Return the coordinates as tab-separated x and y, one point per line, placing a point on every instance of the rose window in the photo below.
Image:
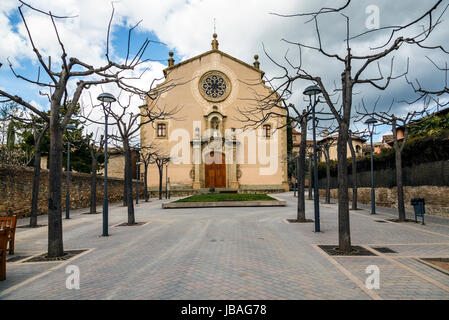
214	86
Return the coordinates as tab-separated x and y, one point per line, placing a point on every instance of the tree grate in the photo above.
68	254
27	226
125	224
384	249
16	258
333	250
296	221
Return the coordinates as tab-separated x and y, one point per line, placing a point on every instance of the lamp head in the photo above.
312	90
371	122
106	97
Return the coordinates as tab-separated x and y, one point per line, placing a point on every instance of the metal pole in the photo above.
373	195
316	196
169	189
105	183
67	196
137	183
294	180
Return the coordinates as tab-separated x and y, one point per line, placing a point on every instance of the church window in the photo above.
267	130
161	130
214	86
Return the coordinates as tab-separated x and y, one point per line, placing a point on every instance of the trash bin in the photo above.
419	207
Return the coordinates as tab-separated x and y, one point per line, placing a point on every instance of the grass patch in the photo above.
220	197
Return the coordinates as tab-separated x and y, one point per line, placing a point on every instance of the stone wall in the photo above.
436	198
16	185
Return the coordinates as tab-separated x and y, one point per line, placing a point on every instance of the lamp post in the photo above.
295	177
371	123
70	127
313	91
105	97
137	181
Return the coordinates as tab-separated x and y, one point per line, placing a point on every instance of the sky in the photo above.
244	28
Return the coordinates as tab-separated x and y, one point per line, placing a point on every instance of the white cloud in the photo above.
242	27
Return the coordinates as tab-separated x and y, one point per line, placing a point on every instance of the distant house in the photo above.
116	163
400	129
357	142
378	146
296	138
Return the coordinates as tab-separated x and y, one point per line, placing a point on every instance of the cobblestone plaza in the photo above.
238	253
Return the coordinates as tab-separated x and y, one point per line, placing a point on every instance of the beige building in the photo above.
207	140
116	163
296	139
331	141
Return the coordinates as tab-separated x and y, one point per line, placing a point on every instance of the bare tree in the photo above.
325	145
396	122
38	129
351	137
72	73
128	125
352	74
147	157
425	93
95	153
161	159
301	169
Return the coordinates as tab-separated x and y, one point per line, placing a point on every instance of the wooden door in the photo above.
215	171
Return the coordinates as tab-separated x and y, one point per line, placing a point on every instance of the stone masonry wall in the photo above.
436	198
16	185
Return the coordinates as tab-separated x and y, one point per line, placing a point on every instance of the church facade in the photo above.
208	140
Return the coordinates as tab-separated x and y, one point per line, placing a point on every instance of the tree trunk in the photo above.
399	184
301	171
35	194
125	193
344	237
93	187
129	185
344	232
145	182
354	175
161	172
55	241
310	178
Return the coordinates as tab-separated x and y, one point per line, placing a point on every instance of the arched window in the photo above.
215	123
267	130
161	130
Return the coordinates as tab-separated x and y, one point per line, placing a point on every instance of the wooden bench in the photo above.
4	234
9	222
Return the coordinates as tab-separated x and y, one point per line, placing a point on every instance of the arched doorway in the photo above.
215	170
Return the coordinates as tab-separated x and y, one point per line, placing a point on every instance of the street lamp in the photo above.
137	181
313	91
70	127
371	122
105	97
295	177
